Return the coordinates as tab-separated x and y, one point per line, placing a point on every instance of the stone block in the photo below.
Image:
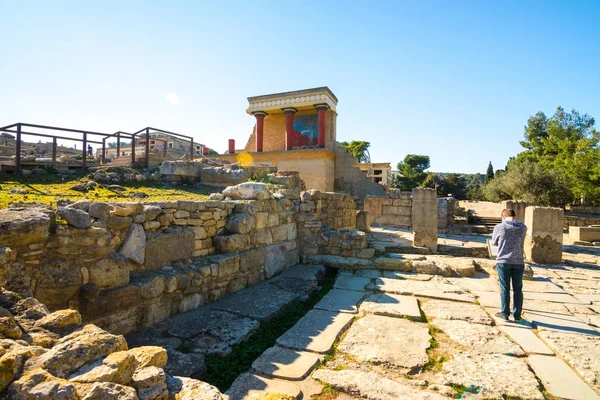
363	221
424	218
134	246
227	264
544	239
232	243
518	205
280	233
181	168
191	302
292	232
164	248
584	233
275	259
110	273
156	310
239	223
292	258
252	260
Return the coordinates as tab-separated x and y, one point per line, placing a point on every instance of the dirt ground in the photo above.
482	208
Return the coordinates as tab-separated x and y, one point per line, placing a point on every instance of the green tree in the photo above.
489	175
358	149
113	145
568	144
412	171
454	184
531	182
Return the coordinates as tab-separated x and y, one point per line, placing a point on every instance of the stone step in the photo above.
277	362
247	386
434	289
527	340
351	283
338	300
559	380
316	331
391	305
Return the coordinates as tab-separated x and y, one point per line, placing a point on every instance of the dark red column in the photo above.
289	127
205	150
322	122
260	127
231	146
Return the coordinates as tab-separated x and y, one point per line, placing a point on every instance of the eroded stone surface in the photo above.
341	301
371	386
277	362
316	331
391	305
482	338
449	310
494	374
559	380
581	351
351	283
435	289
393	342
248	386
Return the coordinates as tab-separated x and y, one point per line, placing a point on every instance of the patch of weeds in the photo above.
222	371
434	363
423	316
60	221
462	389
328	393
477	302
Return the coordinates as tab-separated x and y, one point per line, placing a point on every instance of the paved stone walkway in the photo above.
410	335
389	342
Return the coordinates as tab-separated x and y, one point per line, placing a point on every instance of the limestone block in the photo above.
150	356
584	233
150	285
363	221
165	247
275	259
280	233
424	218
151	226
61	319
156	310
292	232
231	243
248	191
134	246
239	223
181	168
39	384
518	205
99	210
227	264
190	303
544	239
109	390
252	260
77	218
115	222
82	347
110	273
117	367
261	237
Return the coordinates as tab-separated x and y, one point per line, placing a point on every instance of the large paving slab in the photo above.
527	340
369	273
492	299
414	276
305	272
541	286
559	322
316	331
351	283
394	342
482	338
303	288
249	386
498	376
559	380
435	289
581	351
553	297
338	300
261	301
442	309
588	298
391	305
277	362
476	283
369	385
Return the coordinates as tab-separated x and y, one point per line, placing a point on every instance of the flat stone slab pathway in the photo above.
351	283
277	362
317	331
338	300
436	289
248	386
391	305
394	342
527	340
559	380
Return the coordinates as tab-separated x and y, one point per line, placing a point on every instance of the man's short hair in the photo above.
509	212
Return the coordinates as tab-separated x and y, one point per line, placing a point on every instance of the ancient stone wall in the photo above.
579	220
394	209
52	356
126	266
585	210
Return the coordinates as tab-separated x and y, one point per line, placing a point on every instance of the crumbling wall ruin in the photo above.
393	209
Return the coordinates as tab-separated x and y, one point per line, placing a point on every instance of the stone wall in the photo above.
518	206
394	209
579	220
126	266
585	210
350	179
52	356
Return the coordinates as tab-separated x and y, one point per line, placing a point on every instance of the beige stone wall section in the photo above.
316	173
424	218
518	205
543	243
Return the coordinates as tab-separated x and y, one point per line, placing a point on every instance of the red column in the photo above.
231	146
322	122
289	127
205	150
260	124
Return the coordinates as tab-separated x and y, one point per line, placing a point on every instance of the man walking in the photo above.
509	236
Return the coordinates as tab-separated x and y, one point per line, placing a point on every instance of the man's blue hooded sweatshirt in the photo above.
509	237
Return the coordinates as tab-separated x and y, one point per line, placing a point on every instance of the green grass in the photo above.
222	371
49	189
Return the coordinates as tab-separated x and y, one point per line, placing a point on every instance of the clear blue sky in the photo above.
455	80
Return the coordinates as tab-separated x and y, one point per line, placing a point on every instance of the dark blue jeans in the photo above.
506	273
